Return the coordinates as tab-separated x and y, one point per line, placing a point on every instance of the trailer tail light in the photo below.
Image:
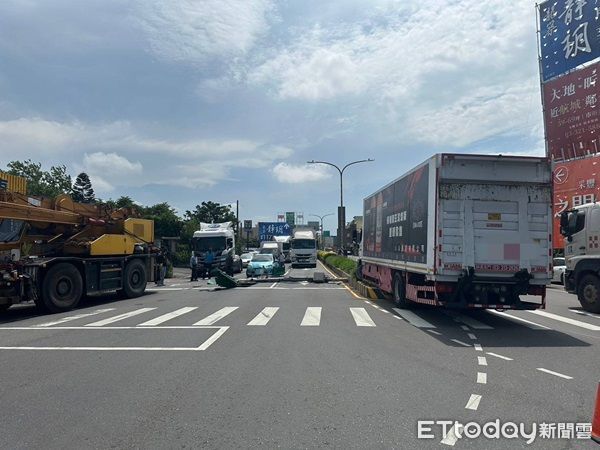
444	288
536	290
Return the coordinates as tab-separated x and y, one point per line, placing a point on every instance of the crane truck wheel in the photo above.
134	279
62	288
400	291
589	293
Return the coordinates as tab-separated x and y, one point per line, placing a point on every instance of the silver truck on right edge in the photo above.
581	229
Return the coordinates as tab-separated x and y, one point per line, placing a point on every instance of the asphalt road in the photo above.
288	365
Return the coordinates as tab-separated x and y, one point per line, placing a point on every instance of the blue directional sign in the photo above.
569	35
266	230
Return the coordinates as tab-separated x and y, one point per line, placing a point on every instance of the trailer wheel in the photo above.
589	293
400	291
134	279
62	288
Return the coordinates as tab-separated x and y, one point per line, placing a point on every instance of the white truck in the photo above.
581	228
462	231
271	248
303	251
220	238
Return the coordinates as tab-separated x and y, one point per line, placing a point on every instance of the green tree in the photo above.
166	220
210	212
82	189
42	183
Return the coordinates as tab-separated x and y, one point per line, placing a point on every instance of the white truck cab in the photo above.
218	237
581	228
304	249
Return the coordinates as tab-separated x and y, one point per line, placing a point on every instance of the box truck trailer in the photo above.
463	231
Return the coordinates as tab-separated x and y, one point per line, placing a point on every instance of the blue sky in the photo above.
186	101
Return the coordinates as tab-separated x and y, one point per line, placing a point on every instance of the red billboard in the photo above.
576	182
571	115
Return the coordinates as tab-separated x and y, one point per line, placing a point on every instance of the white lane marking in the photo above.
384	311
165	289
584	313
461	342
506	358
528	324
482	361
473	402
312	317
473	323
160	319
478	347
481	378
361	317
264	316
472	336
273	285
75	317
203	346
215	317
566	377
451	438
413	319
465	328
432	331
123	316
577	323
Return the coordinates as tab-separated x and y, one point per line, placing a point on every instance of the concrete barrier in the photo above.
359	287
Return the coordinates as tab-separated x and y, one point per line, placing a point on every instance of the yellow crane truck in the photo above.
55	251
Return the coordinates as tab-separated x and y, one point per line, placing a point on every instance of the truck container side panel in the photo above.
381	275
497	229
396	219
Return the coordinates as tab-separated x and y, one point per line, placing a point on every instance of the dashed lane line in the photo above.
476	324
584	313
472	336
451	438
506	358
482	361
551	372
473	402
481	378
431	331
464	344
478	347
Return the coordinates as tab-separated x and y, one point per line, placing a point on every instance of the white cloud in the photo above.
293	174
117	154
439	72
192	31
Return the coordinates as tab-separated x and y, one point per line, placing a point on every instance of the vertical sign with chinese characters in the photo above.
572	114
576	183
569	35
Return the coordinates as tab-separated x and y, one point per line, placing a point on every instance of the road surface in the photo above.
288	365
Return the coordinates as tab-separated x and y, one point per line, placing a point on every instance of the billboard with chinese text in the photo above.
290	218
576	182
266	230
572	114
569	35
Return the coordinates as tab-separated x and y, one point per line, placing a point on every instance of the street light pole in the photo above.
321	218
341	210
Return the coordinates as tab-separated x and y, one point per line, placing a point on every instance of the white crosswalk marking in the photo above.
75	317
160	319
577	323
215	317
264	316
476	324
312	317
361	317
413	319
113	319
528	324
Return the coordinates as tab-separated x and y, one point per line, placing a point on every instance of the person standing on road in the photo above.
282	260
209	258
194	267
161	266
229	263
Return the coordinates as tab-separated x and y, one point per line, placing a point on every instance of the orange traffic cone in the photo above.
596	419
